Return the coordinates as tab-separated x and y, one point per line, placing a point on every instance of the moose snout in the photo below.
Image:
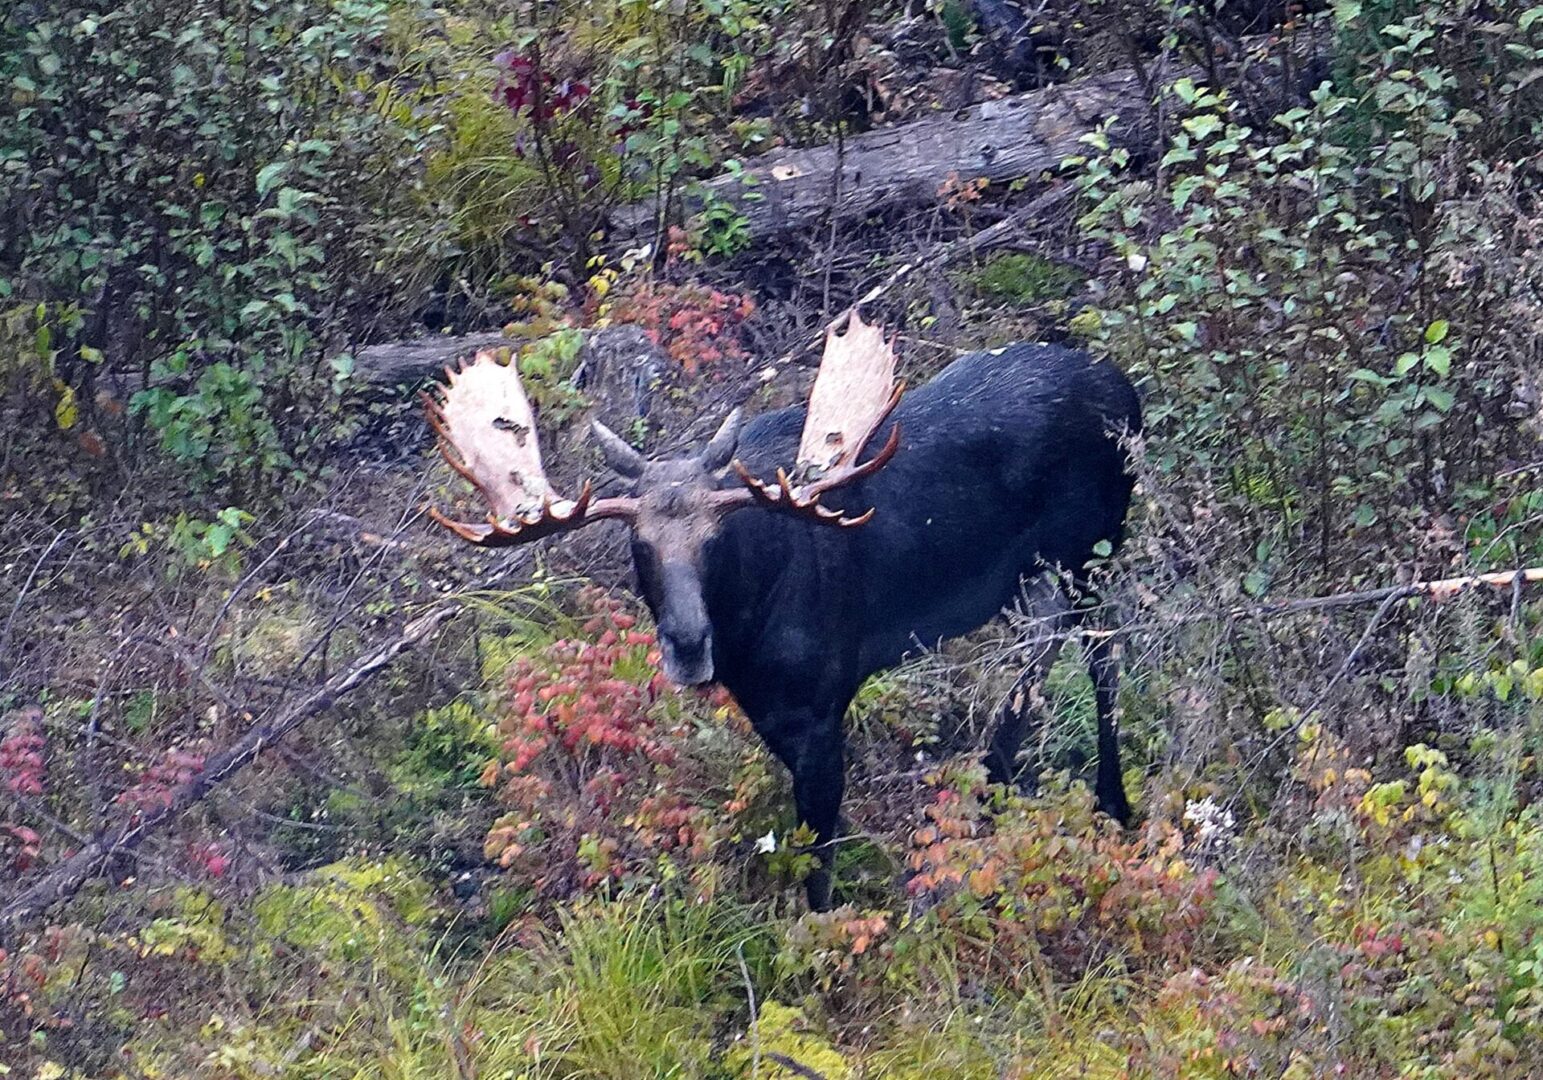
691	642
687	653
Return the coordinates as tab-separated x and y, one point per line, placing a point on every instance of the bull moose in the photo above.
790	592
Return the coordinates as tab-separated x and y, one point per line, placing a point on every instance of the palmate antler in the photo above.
487	432
854	390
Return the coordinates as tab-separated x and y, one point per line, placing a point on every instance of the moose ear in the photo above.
622	458
720	450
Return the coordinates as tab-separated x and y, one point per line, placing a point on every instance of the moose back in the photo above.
1005	466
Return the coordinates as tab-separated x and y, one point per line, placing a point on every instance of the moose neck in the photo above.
762	575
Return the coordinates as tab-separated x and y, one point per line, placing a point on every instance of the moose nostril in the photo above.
689	643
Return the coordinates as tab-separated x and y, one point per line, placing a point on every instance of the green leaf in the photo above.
218	539
1439	359
269	175
1256	581
1436	332
1203	126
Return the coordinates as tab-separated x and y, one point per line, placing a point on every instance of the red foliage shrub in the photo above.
1044	878
156	784
525	87
24	844
22	767
697	326
600	762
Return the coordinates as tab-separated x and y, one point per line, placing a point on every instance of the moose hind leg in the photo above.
1052	611
1109	786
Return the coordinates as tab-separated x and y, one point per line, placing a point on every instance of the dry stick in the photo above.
62	882
945	253
1323	698
798	1068
987	238
755	1019
5	634
1443	589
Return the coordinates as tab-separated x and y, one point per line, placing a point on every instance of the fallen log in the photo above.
1006	139
608	354
1000	140
415	359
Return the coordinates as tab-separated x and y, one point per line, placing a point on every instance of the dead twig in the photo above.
798	1068
755	1021
64	880
1440	590
26	586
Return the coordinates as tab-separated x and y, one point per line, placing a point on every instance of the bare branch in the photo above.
61	882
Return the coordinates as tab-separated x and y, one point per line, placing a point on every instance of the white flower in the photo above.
767	844
1211	822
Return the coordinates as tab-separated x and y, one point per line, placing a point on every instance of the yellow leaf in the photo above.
67	411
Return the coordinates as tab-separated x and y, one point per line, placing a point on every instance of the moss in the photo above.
1020	278
350	910
272	638
781	1033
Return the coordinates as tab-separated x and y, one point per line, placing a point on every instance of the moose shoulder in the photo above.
1007	464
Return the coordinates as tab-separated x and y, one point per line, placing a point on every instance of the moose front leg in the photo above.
808	741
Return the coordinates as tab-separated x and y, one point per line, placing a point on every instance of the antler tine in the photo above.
487	432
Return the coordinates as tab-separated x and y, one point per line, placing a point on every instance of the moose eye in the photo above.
645	560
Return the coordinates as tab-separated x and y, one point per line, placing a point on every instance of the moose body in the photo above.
1007	465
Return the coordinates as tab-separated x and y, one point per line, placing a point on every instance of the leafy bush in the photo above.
200	196
591	105
611	776
1307	300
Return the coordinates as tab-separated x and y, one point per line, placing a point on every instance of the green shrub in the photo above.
1305	301
203	194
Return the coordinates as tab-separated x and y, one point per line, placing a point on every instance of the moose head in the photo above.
675	505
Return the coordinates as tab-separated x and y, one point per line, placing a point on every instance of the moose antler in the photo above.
487	432
854	390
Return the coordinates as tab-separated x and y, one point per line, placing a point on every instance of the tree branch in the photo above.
64	880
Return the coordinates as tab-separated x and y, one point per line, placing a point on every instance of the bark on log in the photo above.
611	355
410	361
